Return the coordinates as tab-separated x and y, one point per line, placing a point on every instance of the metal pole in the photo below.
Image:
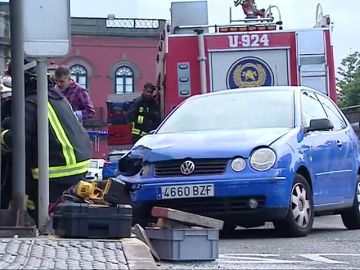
202	60
43	141
0	154
18	110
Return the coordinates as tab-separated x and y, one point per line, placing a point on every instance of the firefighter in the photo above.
144	112
69	143
250	9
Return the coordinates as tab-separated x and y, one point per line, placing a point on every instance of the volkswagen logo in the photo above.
187	167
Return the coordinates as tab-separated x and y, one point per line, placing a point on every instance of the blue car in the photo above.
248	156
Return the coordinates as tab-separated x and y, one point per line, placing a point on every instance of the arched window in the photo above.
124	80
79	74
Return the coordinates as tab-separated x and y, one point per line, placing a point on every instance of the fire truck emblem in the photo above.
249	72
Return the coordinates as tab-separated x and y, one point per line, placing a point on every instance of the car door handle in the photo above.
338	143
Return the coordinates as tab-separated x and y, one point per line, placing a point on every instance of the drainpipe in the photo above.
202	60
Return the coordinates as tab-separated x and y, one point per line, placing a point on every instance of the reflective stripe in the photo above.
140	119
139	132
67	148
2	134
30	204
63	171
141	109
136	131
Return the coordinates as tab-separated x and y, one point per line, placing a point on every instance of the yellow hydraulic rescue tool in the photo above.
108	191
94	191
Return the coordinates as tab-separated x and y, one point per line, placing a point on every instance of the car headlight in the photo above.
238	164
262	159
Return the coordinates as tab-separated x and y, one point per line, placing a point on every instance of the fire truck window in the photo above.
240	110
124	80
79	74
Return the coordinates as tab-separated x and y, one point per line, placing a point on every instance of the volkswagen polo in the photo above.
248	156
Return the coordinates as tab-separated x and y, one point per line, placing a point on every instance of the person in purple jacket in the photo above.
77	95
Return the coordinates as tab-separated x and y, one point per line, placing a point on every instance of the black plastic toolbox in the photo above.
82	220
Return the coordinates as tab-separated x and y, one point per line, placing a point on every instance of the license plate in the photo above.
185	191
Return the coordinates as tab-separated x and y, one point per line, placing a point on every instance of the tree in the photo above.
349	82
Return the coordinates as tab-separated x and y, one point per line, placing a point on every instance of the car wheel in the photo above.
300	217
351	216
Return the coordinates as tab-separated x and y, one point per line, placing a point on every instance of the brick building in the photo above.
113	58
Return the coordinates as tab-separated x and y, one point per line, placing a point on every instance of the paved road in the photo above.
329	246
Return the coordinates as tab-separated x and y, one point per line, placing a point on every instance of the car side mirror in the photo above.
319	125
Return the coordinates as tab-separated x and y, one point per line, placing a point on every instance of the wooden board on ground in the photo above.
185	217
141	234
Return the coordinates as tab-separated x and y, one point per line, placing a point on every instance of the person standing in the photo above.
144	113
77	95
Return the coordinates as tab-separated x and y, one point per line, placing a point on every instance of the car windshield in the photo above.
237	110
93	164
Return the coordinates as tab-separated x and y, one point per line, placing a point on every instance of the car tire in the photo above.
299	220
351	216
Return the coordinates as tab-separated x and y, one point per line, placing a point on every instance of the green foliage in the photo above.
348	84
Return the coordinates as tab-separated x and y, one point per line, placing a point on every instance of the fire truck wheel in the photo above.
300	217
351	216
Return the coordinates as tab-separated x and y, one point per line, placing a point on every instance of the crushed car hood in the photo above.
209	144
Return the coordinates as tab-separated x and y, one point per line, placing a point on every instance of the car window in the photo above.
332	113
115	157
101	164
93	164
233	110
311	108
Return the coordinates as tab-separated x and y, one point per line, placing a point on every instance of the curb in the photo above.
138	255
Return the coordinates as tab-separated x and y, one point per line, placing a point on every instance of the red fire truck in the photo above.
195	57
